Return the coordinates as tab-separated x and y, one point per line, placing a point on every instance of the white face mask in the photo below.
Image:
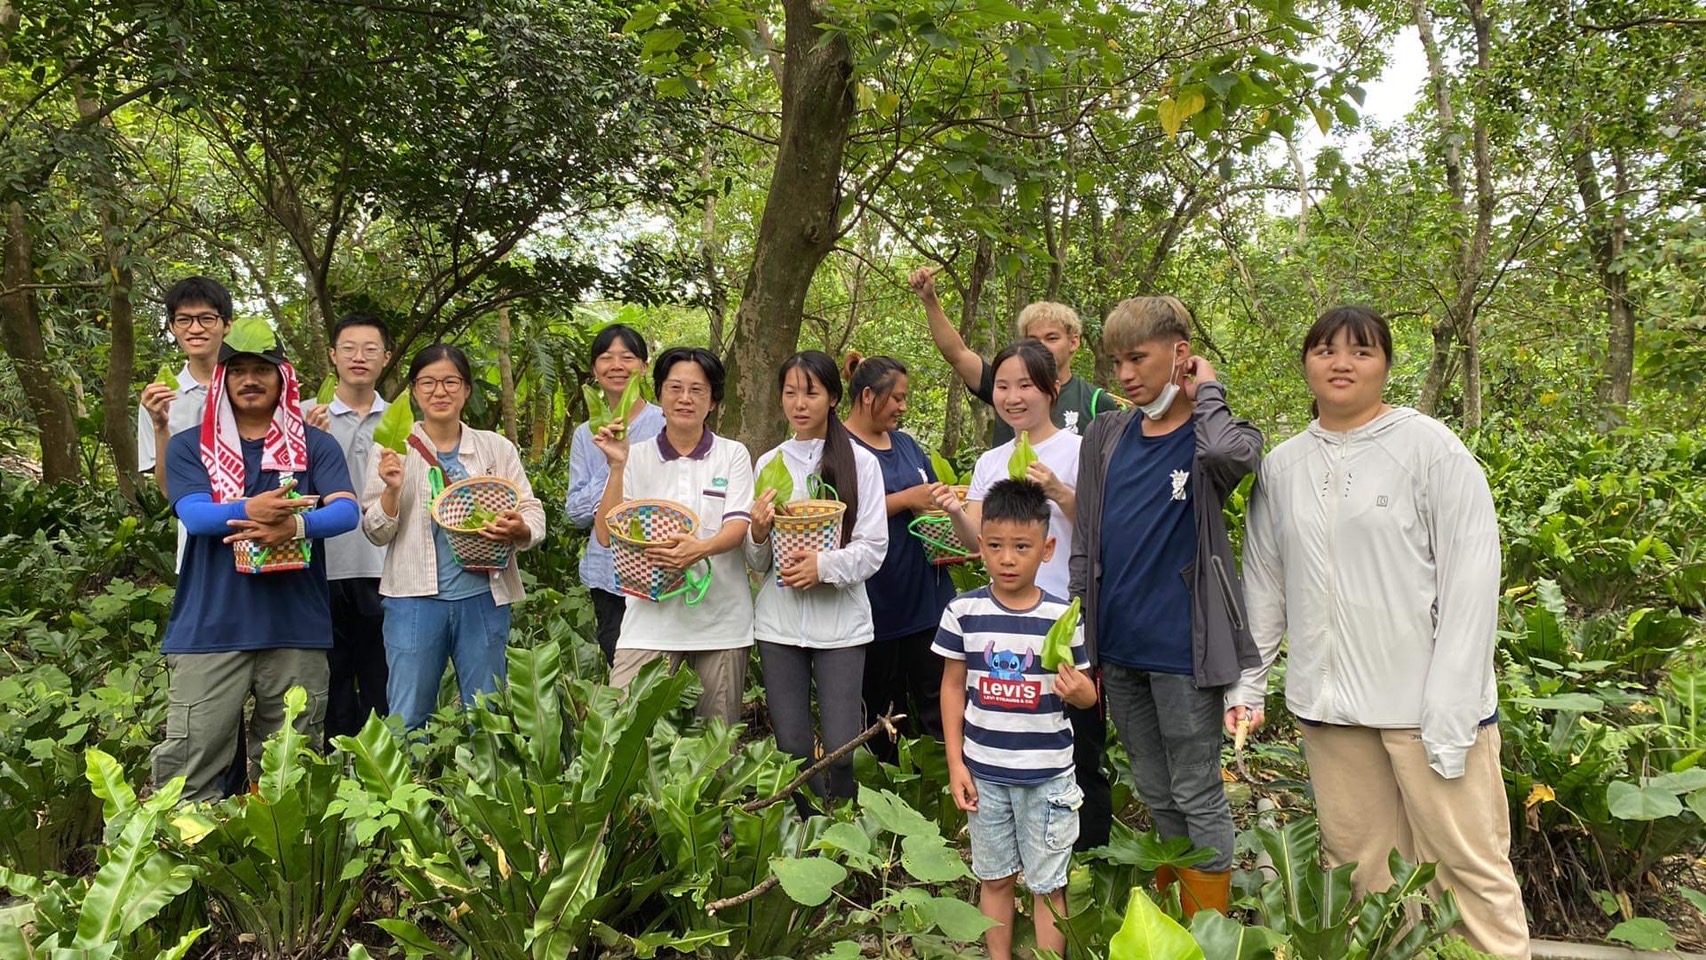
1157	408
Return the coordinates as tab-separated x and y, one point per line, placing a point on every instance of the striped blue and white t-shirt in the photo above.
1015	730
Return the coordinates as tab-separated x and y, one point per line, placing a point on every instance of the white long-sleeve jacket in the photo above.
1377	552
836	614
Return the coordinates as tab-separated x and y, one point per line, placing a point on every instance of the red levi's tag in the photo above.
1011	694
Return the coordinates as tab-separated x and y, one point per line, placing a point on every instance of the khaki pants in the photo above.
721	672
1375	792
205	693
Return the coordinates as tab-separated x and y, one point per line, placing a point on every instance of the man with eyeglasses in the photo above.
198	313
360	352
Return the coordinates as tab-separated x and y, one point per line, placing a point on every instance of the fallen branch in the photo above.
884	724
764	887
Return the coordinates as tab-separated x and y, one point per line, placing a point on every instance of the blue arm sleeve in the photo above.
339	516
204	518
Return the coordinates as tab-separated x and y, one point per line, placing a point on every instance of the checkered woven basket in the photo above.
636	574
935	529
452	508
810	525
251	557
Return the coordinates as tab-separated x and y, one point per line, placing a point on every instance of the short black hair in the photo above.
706	360
1366	326
363	320
1016	501
199	290
630	338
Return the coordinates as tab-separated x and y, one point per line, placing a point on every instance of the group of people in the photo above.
1370	542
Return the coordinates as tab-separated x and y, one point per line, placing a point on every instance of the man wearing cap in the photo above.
242	475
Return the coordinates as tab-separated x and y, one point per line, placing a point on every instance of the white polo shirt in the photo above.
351	556
183	414
715	482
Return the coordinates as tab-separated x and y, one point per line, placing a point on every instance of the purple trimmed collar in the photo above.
699	452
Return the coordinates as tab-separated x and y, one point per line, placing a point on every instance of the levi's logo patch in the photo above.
994	691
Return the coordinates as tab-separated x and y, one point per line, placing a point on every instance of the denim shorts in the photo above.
1031	828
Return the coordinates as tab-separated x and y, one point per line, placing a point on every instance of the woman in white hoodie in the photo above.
1373	545
814	626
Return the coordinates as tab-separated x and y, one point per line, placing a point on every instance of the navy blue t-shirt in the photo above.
907	593
1149	541
216	609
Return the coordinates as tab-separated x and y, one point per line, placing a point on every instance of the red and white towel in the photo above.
222	448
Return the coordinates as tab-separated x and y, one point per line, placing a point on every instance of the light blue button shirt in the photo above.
588	473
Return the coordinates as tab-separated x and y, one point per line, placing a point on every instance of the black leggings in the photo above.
789	674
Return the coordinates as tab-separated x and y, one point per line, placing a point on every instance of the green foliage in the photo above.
392	430
1022	457
166	376
775	476
1057	645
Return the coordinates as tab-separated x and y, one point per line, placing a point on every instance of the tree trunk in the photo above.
799	225
1620	310
506	378
20	334
540	417
116	422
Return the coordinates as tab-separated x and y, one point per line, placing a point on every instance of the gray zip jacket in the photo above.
1376	551
1228	449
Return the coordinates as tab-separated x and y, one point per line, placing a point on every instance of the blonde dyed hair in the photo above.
1047	311
1143	320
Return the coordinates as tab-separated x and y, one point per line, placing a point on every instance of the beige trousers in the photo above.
1375	792
721	672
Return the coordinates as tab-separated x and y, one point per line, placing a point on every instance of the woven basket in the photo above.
636	574
251	557
935	529
810	525
452	508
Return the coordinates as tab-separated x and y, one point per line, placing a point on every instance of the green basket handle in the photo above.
815	487
917	528
693	585
435	481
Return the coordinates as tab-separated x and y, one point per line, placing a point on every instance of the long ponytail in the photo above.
837	467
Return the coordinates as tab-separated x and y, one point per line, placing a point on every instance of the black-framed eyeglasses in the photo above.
206	321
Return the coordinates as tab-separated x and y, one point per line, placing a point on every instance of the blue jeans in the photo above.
1025	827
421	633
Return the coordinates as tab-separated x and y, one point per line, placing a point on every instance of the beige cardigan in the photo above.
411	563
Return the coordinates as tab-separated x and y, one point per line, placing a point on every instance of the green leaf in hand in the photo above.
598	413
1057	645
1023	456
328	390
775	476
944	470
166	376
636	530
392	433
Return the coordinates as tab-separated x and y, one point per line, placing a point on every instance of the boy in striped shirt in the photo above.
1009	743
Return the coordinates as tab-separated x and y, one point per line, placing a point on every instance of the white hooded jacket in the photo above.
837	613
1377	552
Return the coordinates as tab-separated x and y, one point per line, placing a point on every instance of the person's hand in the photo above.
920	498
1253	714
615	446
763	513
923	283
1043	477
961	785
391	468
319	416
157	400
509	526
946	500
799	570
1074	687
1198	371
683	551
265	534
268	508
